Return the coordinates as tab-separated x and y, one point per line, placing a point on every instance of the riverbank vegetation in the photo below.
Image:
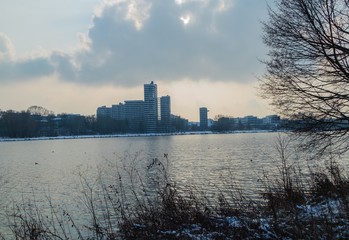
139	200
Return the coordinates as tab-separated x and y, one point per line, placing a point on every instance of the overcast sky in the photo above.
73	56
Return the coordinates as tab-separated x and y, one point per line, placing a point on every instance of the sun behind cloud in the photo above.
133	41
185	19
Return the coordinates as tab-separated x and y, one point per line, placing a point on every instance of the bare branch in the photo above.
307	75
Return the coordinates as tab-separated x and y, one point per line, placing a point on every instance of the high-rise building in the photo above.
118	111
203	118
134	115
103	112
150	107
165	113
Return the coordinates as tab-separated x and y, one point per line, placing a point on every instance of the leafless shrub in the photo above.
28	221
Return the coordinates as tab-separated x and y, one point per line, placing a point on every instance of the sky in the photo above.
74	56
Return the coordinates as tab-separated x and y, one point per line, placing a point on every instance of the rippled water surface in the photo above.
49	167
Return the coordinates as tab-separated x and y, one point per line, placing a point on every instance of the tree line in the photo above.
39	122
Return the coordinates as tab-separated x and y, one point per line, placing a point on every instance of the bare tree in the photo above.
307	75
38	110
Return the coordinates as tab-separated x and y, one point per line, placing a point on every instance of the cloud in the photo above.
25	69
131	42
20	69
7	50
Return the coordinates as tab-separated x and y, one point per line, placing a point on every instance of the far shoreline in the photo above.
133	135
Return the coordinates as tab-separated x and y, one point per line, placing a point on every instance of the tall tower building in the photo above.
165	113
203	118
150	107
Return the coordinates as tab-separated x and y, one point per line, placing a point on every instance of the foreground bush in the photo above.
294	205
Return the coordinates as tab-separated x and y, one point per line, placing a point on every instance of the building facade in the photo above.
150	115
118	111
203	118
150	107
103	112
134	112
165	113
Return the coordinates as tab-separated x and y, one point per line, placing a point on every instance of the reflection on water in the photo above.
202	160
205	161
198	159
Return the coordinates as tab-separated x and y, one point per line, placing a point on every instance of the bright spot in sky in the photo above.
185	19
179	2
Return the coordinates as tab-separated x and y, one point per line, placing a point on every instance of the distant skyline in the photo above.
74	56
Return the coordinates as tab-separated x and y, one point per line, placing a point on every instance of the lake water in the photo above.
193	159
50	167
